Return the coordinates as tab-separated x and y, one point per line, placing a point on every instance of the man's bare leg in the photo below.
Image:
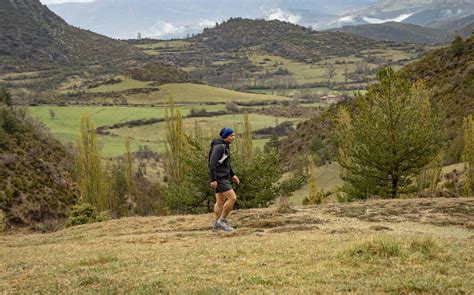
219	205
229	203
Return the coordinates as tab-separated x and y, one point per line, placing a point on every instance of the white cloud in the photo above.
346	19
163	29
282	15
381	21
206	23
47	2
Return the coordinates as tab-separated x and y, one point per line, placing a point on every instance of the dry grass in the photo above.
308	251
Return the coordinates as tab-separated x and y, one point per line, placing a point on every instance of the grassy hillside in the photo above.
449	72
397	246
36	186
160	73
281	38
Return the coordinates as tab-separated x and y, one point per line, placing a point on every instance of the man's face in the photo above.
230	139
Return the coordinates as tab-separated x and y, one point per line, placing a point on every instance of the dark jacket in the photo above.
219	160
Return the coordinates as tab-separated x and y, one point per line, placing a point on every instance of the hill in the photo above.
397	32
36	187
282	39
467	31
378	246
456	25
450	73
160	73
33	37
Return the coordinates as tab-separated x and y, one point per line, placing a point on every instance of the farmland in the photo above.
66	121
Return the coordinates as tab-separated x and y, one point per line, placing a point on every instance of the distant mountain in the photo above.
456	25
417	12
32	36
164	19
283	39
398	32
467	31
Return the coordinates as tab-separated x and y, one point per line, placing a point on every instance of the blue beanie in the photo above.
225	132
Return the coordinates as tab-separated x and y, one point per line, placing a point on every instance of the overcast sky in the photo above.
63	1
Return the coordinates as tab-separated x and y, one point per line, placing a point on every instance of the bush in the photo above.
85	213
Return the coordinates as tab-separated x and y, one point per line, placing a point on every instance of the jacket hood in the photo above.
218	141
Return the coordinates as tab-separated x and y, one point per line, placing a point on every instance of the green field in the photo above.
327	178
208	125
306	73
300	91
65	125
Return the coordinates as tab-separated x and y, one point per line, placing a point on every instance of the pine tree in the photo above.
468	155
91	177
393	133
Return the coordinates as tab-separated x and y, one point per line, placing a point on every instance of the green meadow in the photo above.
65	125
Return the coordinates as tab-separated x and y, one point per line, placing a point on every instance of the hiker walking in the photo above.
221	174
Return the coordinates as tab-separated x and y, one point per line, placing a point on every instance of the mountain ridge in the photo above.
397	32
31	34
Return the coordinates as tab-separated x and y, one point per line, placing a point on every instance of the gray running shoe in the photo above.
216	226
224	225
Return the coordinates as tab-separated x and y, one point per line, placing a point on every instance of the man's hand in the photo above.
214	184
235	179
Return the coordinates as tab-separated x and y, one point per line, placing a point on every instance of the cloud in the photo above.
47	2
346	19
206	23
164	30
381	21
282	15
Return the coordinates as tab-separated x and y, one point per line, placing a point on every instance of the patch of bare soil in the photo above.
439	211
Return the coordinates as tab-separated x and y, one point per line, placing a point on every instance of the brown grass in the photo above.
312	250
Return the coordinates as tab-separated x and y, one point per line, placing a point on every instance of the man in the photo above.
221	171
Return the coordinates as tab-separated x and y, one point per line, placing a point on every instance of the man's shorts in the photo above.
223	185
